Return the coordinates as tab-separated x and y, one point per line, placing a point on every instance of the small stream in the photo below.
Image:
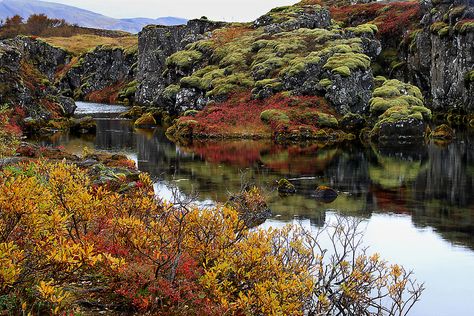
417	204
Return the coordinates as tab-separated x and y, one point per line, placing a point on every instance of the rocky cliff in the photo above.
295	49
101	75
155	45
27	71
440	55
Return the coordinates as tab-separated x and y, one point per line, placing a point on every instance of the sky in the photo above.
226	10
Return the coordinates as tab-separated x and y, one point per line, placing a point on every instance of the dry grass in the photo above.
80	44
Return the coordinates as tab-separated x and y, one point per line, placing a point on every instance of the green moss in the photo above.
439	28
342	62
469	76
325	82
464	26
190	113
203	78
362	29
403	112
171	91
395	93
269	83
444	31
343	71
129	90
379	81
203	46
232	83
327	120
274	116
184	59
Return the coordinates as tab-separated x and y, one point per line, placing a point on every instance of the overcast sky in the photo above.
228	10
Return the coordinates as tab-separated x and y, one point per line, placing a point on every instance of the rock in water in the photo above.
285	187
325	194
145	121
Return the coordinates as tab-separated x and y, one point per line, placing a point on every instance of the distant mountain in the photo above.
81	17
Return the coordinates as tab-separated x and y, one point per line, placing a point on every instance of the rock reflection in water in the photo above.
433	184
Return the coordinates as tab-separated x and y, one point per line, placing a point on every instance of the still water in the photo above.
417	204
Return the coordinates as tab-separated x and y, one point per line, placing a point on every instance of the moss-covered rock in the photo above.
184	59
285	187
274	116
394	93
147	120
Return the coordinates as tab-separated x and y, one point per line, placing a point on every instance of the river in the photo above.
417	204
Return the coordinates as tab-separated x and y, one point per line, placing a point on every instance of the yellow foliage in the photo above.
57	227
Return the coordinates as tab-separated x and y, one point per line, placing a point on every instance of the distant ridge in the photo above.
81	17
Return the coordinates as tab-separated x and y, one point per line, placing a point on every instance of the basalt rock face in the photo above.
297	50
155	44
46	58
27	69
441	55
306	17
100	74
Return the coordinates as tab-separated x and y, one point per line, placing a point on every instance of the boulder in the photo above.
285	187
145	121
325	194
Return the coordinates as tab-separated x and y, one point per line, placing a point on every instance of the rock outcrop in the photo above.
440	56
155	45
27	71
101	74
295	49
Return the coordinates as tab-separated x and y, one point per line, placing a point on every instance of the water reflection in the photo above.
410	197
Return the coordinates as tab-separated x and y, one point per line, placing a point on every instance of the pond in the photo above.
417	204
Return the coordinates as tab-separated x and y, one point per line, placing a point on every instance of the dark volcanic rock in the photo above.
27	69
46	58
442	54
294	18
155	44
102	68
402	132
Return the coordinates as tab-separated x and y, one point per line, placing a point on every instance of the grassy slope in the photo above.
79	44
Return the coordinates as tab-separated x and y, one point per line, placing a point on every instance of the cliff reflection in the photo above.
433	184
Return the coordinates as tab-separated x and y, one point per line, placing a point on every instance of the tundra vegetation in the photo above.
67	241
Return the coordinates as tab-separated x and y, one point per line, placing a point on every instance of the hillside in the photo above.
81	17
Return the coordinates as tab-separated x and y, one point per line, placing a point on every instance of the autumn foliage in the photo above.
392	19
65	240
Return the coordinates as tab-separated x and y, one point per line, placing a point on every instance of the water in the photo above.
417	204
